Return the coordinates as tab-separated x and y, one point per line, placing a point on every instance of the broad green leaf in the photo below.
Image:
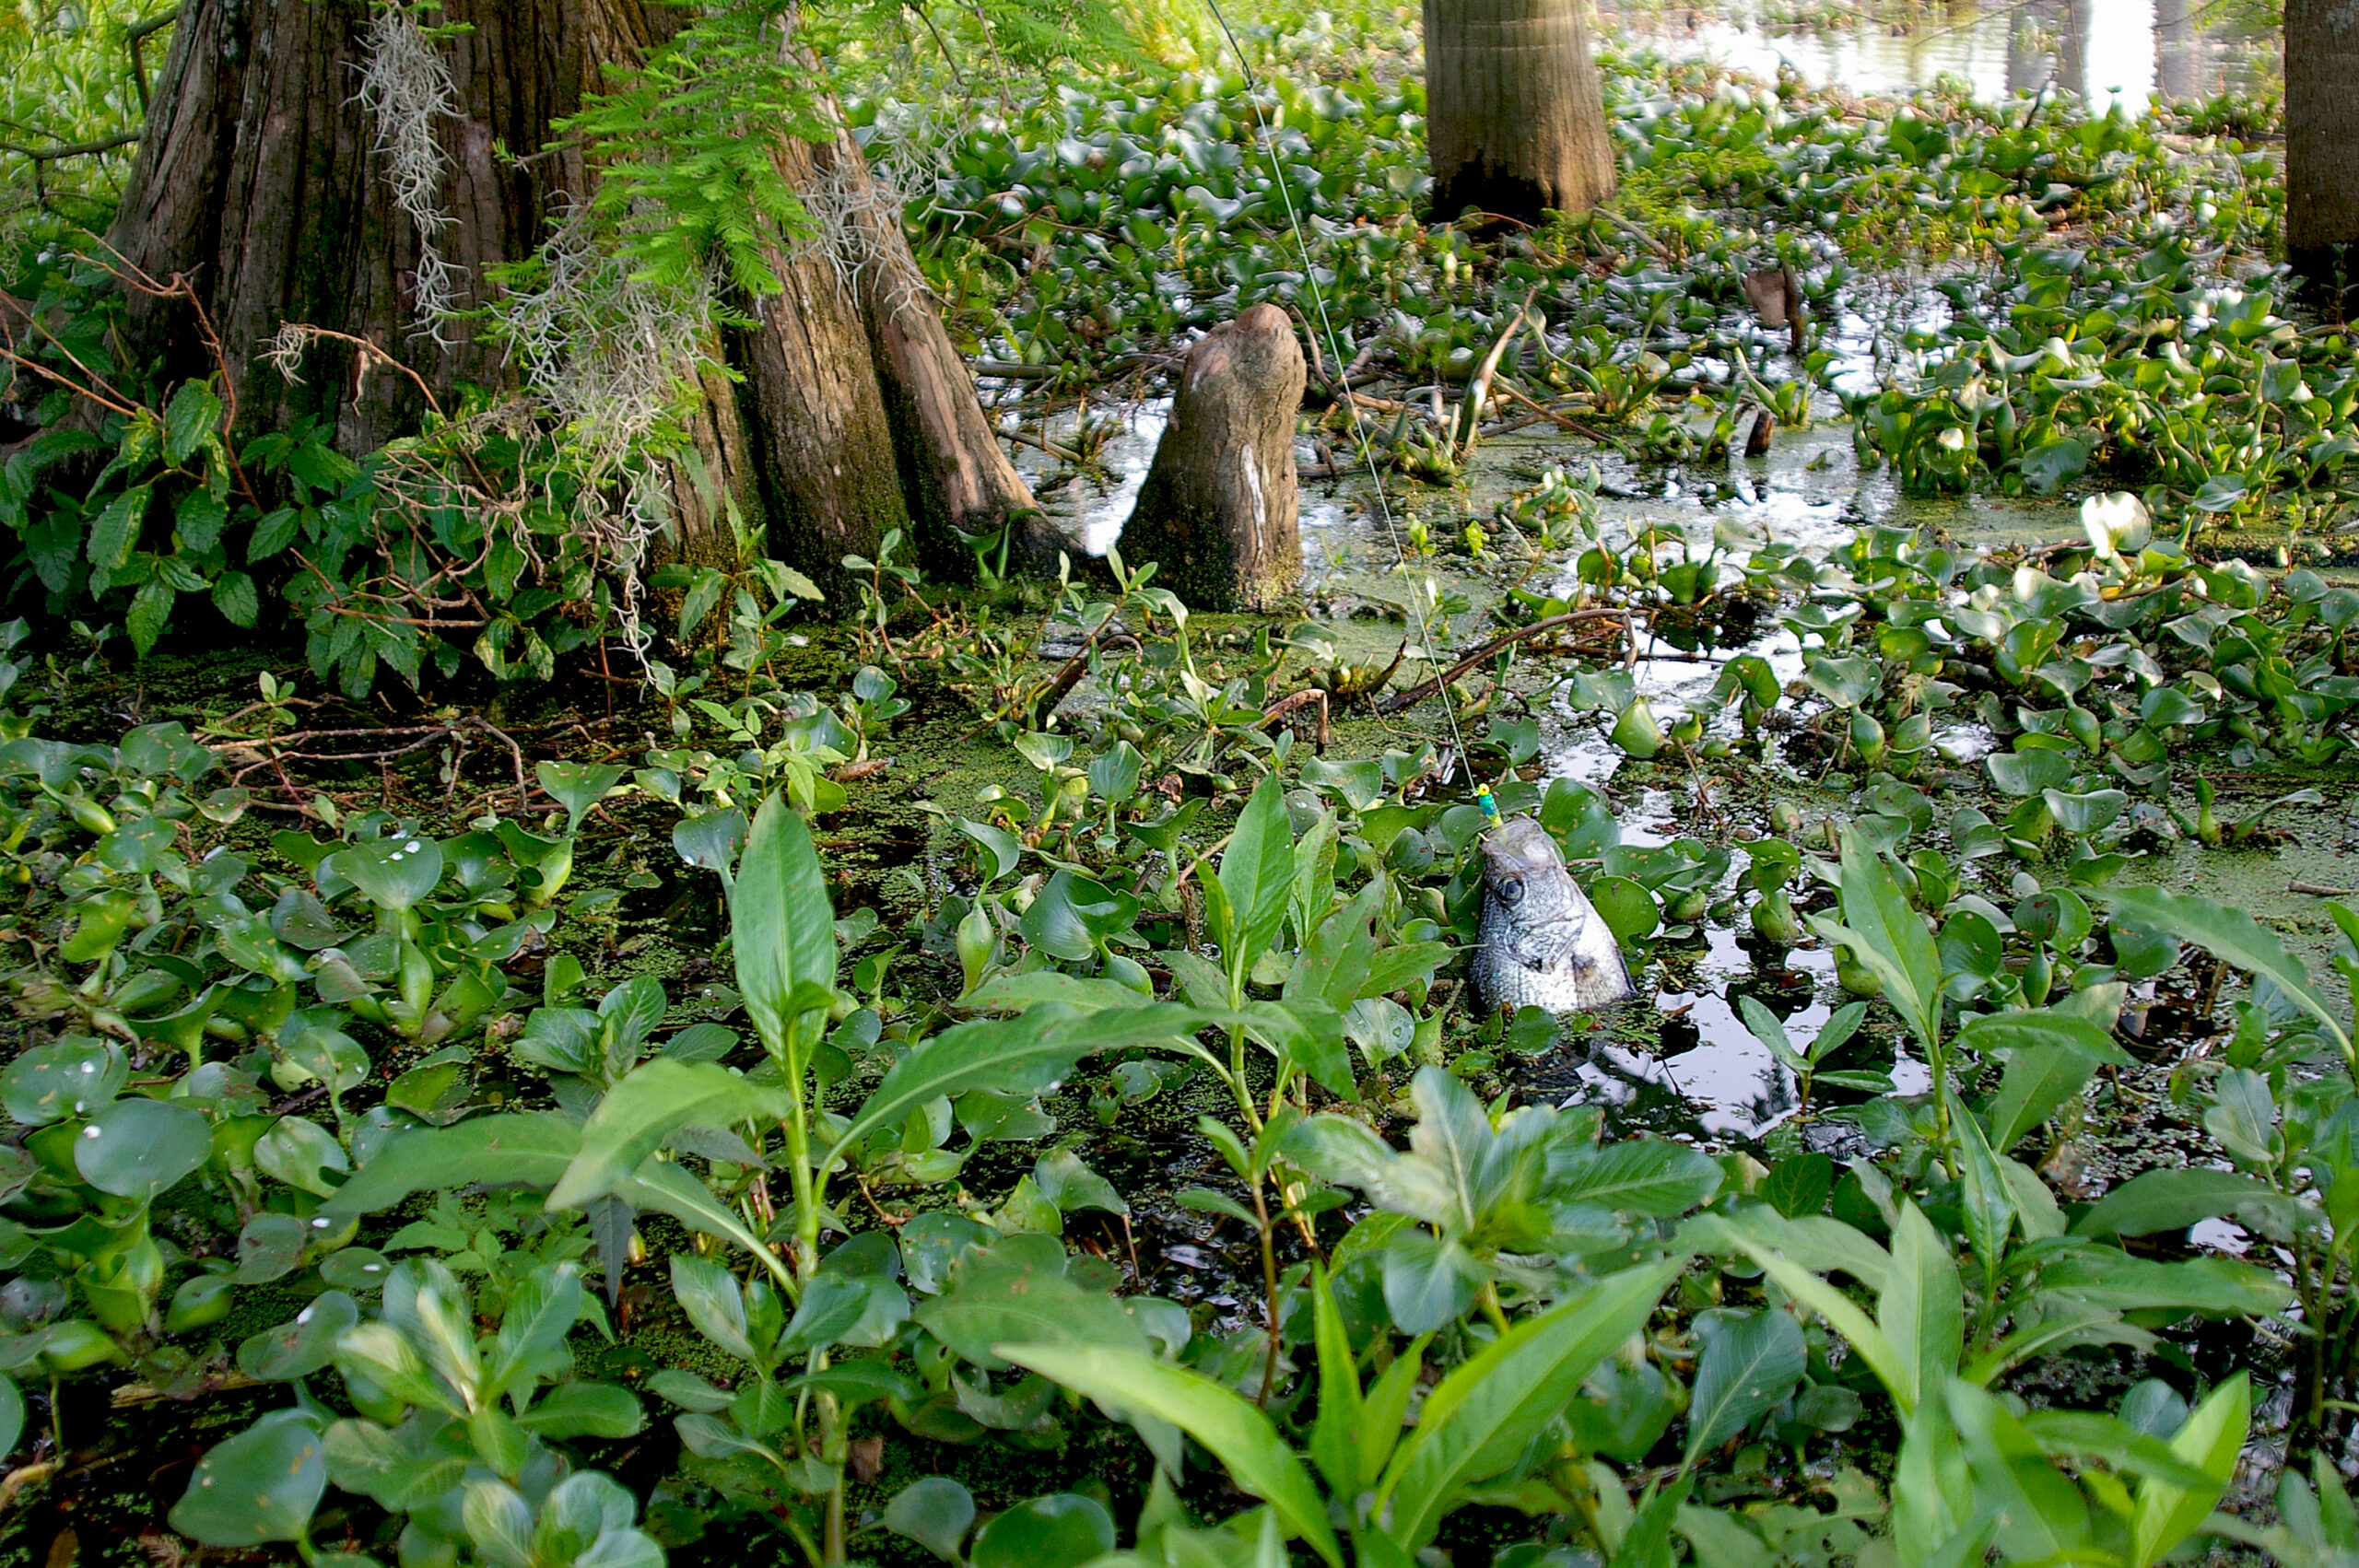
1256	874
1060	1530
301	1345
532	1149
392	873
75	1076
584	1409
934	1512
1798	1282
578	785
2229	933
2042	1517
1335	1436
1239	1436
1986	1197
1643	1176
2095	1275
1478	1419
994	1305
2173	1199
1921	1311
1749	1365
2211	1441
136	1148
2040	1080
1889	939
654	1100
1025	1054
192	414
781	926
259	1486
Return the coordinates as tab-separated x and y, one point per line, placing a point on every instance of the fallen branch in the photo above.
1575	425
1285	706
2319	890
1417	694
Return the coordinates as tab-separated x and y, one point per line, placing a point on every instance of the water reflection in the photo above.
2130	53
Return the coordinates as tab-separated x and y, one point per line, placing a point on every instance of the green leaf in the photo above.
1239	1436
1988	1201
934	1512
1749	1365
1921	1311
235	596
1643	1176
2042	1517
1062	1530
115	530
75	1076
578	785
2173	1199
136	1148
654	1100
1889	939
532	1149
584	1409
1477	1420
1337	1436
261	1485
1023	1054
782	927
2211	1441
192	416
301	1345
392	873
1000	1304
12	1416
1257	875
2226	932
150	611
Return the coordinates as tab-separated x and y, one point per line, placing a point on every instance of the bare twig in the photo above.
1418	693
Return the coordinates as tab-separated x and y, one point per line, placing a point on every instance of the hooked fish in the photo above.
1542	942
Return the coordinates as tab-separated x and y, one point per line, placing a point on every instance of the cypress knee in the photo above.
1217	512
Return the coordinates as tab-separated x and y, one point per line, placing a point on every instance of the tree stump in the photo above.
1776	296
1217	511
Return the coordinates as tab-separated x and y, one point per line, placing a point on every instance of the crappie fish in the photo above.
1542	943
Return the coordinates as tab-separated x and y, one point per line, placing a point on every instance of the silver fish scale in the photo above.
1542	945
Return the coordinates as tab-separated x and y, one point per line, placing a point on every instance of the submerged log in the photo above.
1217	511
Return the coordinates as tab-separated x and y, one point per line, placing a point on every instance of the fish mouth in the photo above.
1519	846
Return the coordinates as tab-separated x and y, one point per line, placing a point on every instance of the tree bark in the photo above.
259	181
2322	149
1218	510
1515	112
2177	51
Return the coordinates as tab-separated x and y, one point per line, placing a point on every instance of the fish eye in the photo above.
1511	890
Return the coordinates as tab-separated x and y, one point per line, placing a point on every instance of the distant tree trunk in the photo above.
2027	64
260	180
1515	115
2072	48
2322	149
2177	57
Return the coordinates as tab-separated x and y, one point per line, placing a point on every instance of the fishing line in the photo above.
1351	401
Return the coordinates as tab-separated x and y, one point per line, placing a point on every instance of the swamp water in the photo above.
1690	1066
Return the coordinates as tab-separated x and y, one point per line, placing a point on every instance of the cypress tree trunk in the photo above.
2322	149
260	179
1515	115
